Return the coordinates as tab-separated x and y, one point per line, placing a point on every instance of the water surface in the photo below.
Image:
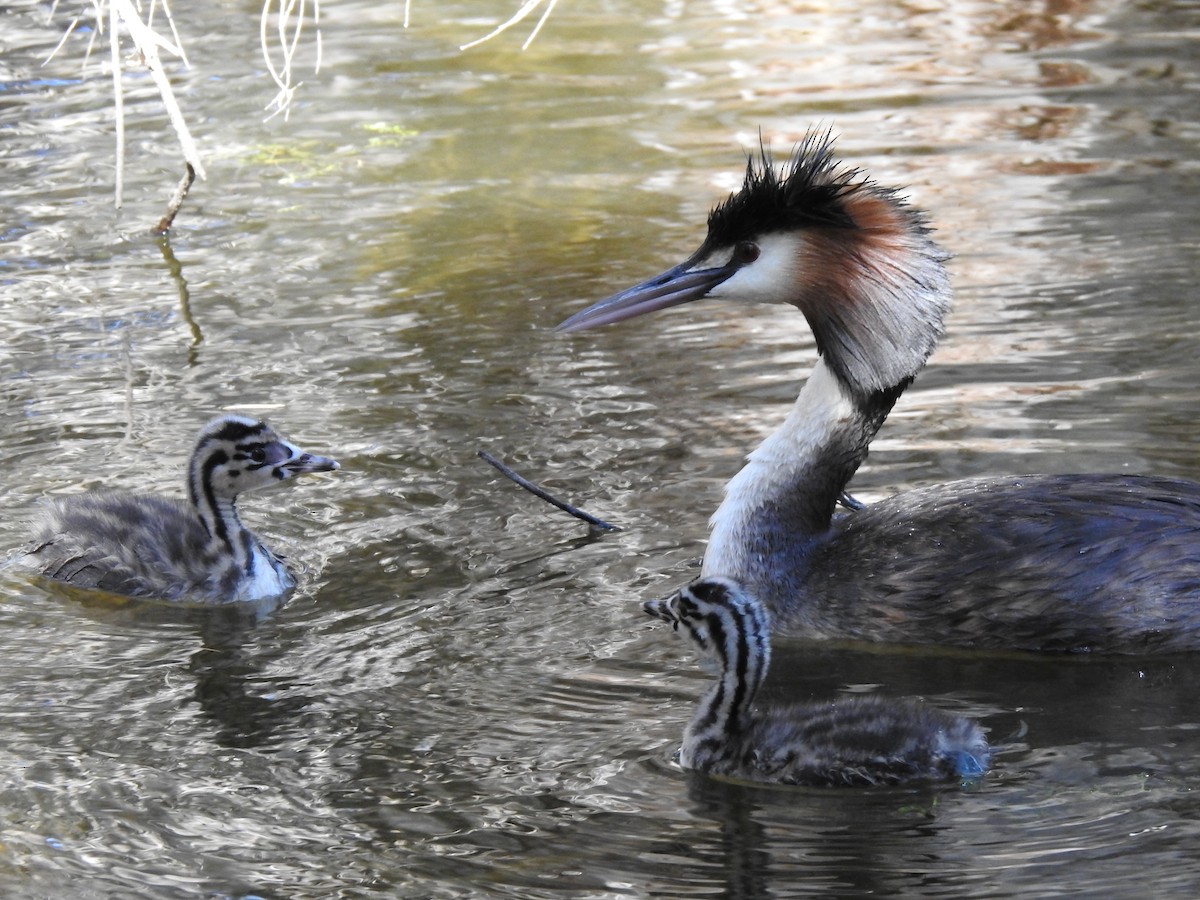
462	697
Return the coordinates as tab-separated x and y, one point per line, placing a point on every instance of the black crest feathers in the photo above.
806	192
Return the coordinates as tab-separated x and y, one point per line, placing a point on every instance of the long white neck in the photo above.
786	492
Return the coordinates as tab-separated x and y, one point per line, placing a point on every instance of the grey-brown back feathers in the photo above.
150	546
852	740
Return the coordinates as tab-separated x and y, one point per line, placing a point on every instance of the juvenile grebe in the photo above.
1074	562
864	739
143	545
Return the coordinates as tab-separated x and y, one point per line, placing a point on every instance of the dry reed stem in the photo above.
288	34
526	8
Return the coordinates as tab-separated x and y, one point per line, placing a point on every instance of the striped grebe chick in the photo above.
1064	562
143	545
854	740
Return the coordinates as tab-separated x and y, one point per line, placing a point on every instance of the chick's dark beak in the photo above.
309	462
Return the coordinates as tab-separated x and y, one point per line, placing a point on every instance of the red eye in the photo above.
746	252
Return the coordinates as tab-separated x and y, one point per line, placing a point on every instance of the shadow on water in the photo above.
175	270
248	709
857	841
246	706
1052	699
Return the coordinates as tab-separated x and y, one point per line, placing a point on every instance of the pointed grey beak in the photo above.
308	462
660	608
681	284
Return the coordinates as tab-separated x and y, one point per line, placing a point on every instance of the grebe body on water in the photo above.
143	545
854	740
1066	562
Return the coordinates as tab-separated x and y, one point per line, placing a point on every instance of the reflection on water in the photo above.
462	696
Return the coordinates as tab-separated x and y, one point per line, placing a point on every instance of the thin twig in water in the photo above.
174	31
66	34
147	42
526	8
114	31
288	45
596	524
185	184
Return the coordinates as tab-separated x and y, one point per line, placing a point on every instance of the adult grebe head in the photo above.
854	257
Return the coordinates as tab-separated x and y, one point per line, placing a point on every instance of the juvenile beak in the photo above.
660	608
308	462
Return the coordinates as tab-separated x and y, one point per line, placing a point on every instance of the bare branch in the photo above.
288	35
118	101
174	32
594	523
165	223
526	8
147	43
66	34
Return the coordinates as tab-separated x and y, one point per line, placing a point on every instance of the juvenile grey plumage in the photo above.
1065	562
859	740
143	545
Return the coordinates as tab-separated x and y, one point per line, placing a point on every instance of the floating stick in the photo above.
596	524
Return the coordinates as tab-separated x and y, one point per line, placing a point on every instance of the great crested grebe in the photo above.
143	545
1067	562
854	740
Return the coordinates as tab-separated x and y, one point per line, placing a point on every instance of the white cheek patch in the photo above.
771	278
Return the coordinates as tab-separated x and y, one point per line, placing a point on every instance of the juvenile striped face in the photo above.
701	611
236	453
678	610
718	617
